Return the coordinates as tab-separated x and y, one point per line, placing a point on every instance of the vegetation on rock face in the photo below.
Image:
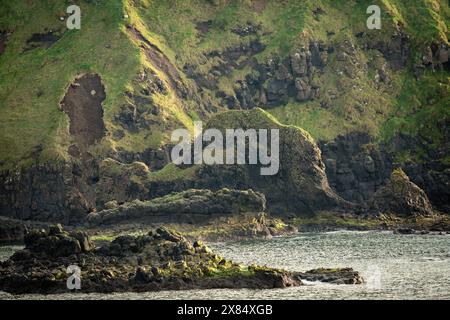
164	64
299	185
186	206
35	75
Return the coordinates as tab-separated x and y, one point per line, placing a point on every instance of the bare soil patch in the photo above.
83	105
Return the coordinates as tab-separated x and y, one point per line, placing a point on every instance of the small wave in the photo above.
345	231
311	283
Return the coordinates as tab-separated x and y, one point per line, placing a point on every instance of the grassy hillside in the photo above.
33	80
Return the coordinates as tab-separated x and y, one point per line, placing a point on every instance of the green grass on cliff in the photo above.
289	24
33	82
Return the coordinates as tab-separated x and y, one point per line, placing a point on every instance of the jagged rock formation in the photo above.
187	206
159	260
11	230
274	81
162	259
56	242
400	196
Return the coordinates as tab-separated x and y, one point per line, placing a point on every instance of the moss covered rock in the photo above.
192	204
299	186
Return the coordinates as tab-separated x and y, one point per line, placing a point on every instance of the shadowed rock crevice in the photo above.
83	105
42	40
3	38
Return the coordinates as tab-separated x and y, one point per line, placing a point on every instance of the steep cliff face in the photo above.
87	114
45	192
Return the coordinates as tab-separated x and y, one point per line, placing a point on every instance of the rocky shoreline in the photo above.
159	260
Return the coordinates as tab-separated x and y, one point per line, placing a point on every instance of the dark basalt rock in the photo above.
185	206
56	242
11	230
396	50
401	196
354	167
357	167
272	82
45	192
335	276
159	260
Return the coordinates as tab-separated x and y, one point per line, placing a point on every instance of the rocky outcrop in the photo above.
280	79
434	178
56	242
186	206
11	231
272	83
299	186
334	276
159	260
141	112
435	56
155	159
400	196
396	50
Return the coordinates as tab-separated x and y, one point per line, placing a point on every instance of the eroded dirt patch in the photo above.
83	105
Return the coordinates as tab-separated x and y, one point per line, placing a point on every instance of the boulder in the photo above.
11	230
56	242
401	196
